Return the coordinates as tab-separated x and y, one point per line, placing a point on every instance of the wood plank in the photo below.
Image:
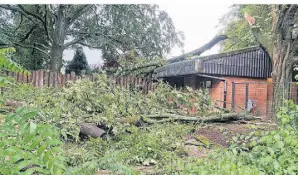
15	76
117	81
46	79
73	76
29	78
68	77
33	78
51	79
20	77
55	78
41	78
62	80
59	80
143	85
25	78
36	79
121	81
92	77
126	82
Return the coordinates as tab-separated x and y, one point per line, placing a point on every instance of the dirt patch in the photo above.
146	169
195	150
221	134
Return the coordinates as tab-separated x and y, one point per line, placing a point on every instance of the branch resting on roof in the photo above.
200	50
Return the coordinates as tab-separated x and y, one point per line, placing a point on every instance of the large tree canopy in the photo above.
114	29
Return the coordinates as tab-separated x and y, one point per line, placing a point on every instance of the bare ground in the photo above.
221	134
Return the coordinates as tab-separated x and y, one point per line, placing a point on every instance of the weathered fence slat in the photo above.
46	79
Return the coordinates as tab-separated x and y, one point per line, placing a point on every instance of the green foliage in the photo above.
260	152
133	65
101	101
78	63
8	65
29	147
157	145
238	30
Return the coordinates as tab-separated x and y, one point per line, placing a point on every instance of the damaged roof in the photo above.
248	62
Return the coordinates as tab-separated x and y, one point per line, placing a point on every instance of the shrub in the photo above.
29	147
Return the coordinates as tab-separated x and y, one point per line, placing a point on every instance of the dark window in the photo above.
208	84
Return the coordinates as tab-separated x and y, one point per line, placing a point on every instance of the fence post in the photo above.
51	77
36	78
246	96
233	97
41	78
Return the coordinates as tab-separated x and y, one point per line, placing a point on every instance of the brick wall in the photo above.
257	92
294	93
260	92
217	92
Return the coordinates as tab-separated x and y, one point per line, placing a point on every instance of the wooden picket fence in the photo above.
42	78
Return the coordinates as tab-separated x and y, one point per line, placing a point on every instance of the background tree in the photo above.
114	29
275	29
78	63
236	28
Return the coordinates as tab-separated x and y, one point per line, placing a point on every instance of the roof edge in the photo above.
234	52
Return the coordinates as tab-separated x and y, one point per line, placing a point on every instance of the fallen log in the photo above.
92	130
227	117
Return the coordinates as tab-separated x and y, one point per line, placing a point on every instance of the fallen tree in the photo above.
227	117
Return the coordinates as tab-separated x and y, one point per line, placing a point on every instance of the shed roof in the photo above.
247	62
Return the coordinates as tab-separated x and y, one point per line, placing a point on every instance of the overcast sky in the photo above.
198	21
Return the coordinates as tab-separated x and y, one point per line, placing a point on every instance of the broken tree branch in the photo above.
200	50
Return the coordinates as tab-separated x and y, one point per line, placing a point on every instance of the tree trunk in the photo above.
283	51
59	35
56	58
